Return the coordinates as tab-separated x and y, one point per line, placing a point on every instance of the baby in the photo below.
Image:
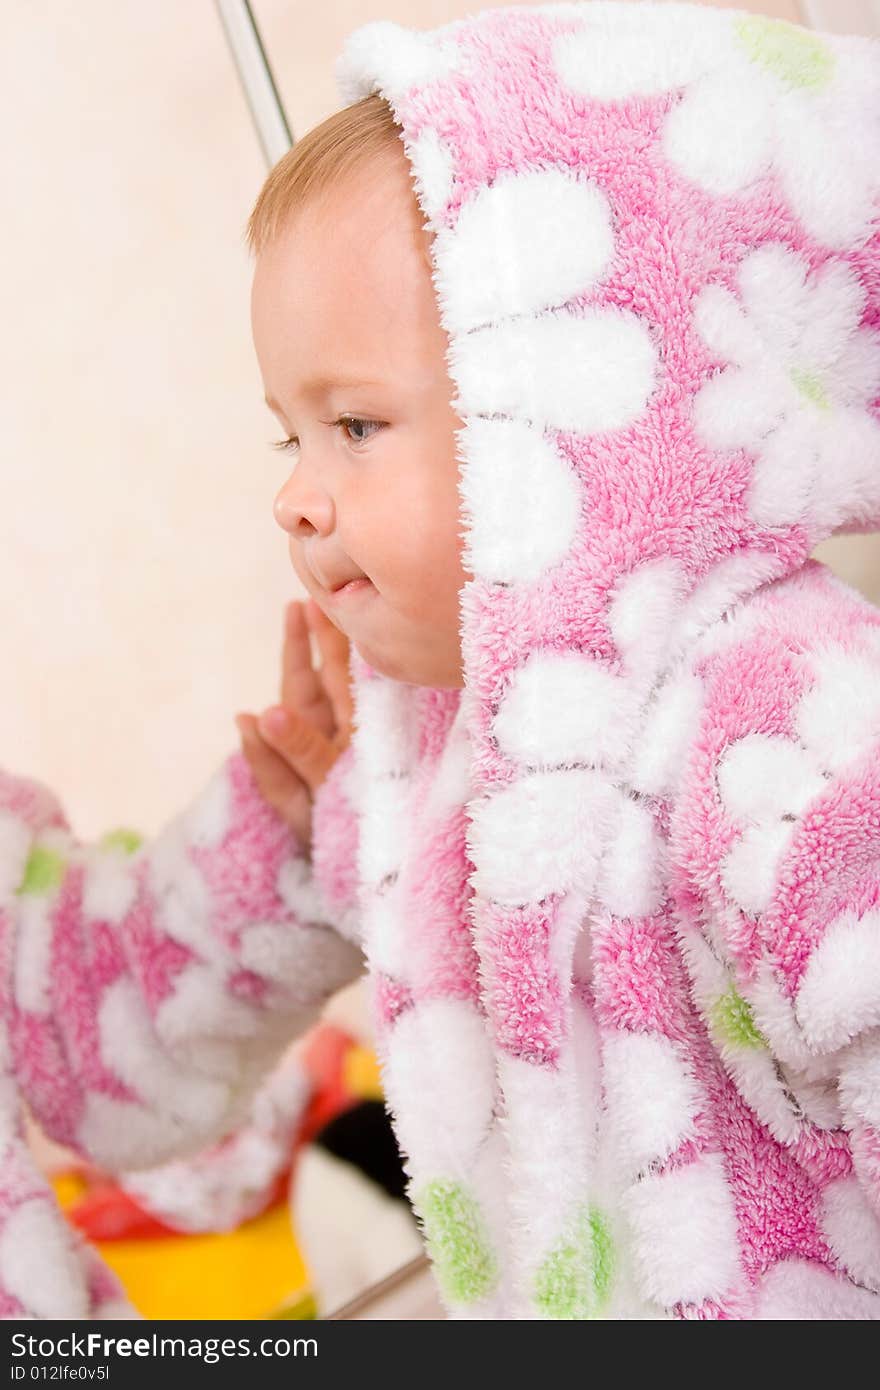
577	359
352	354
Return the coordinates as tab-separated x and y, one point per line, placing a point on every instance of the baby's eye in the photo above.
347	422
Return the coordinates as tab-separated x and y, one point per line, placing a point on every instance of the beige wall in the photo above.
142	574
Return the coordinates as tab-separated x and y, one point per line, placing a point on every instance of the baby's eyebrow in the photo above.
321	385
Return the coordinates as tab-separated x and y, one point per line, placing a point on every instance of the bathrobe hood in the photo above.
656	256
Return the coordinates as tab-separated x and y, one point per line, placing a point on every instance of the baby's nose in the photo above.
300	512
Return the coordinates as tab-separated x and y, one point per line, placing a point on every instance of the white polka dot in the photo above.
774	1015
703	615
562	707
529	241
727	331
857	1080
451	784
521	499
839	992
670	724
110	885
202	1009
121	1134
721	165
630	881
542	834
386	942
181	893
546	1132
383	833
819	1099
589	372
33	951
298	890
651	1095
852	1230
787	471
757	1077
434	167
571	925
38	1264
801	1290
839	716
641	611
741	407
762	776
387	708
848	484
300	960
750	870
132	1051
382	55
635	55
450	1033
773	288
685	1232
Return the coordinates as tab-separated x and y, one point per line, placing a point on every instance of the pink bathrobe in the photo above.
618	898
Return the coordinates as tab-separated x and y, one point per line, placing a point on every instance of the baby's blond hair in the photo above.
323	156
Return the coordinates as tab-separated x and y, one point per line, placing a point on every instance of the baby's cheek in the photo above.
421	547
436	570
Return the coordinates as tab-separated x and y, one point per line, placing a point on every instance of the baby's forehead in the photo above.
349	278
368	214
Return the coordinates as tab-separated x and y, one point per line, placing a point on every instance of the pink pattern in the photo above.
750	615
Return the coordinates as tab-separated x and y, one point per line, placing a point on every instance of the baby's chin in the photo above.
414	668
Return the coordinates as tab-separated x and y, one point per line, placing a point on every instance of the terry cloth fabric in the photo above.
146	990
619	898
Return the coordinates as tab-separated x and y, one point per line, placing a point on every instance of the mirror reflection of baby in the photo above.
157	984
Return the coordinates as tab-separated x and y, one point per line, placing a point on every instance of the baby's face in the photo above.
351	351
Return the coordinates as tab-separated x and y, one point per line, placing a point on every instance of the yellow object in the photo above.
241	1274
68	1186
256	1271
360	1073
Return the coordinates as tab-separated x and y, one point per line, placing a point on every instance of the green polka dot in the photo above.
127	840
574	1281
731	1018
811	386
43	872
603	1255
457	1244
792	54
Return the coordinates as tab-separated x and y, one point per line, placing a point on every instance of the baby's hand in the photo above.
292	746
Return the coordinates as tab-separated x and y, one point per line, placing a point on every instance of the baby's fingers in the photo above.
306	750
276	781
300	684
335	671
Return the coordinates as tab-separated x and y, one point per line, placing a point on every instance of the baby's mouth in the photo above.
351	590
